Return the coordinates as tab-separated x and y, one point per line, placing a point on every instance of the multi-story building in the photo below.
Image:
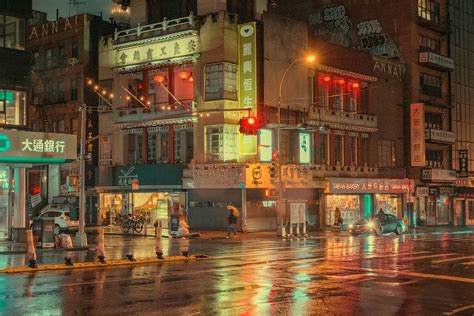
181	86
65	56
22	185
461	50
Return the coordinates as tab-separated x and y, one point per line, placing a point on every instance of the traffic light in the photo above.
273	166
249	125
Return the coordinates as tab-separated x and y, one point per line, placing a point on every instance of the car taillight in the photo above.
66	218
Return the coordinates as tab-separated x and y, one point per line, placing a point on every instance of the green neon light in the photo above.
367	205
32	160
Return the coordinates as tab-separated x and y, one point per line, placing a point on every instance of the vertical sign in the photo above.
417	134
305	148
463	163
265	145
247	34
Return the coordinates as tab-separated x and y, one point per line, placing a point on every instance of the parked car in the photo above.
378	224
62	219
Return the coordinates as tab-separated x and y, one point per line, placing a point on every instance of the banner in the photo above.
417	134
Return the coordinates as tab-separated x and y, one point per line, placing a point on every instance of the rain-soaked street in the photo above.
424	274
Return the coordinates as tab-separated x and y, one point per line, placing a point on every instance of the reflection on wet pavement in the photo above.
334	275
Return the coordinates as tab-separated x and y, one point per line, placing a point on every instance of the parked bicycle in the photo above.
134	223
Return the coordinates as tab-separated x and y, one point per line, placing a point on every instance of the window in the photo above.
434	159
386	151
12	107
36	59
430	85
75	49
428	43
61	55
178	146
189	145
61	126
151	148
323	91
338	90
164	153
322	149
75	89
433	120
221	143
105	151
10	30
471	209
221	81
338	149
352	150
429	10
74	126
49	57
60	91
364	148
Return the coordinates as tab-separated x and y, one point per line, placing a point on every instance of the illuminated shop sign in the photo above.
436	60
162	50
351	186
305	147
247	35
22	146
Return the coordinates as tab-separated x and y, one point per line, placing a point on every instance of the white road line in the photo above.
431	256
461	309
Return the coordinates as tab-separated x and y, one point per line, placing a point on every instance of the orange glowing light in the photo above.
355	85
342	81
159	79
327	78
184	75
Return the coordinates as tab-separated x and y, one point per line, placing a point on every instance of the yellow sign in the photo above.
247	34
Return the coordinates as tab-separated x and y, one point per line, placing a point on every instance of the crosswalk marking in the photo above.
453	259
431	256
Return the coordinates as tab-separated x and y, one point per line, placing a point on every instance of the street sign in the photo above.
135	185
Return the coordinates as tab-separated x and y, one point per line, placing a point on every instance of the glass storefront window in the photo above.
12	107
391	204
349	205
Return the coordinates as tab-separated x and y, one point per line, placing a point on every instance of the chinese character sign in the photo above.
247	34
463	168
248	65
35	147
417	134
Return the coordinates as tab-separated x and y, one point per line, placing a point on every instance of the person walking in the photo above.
231	221
337	217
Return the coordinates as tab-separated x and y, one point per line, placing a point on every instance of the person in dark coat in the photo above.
232	222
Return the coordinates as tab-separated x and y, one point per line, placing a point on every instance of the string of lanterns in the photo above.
159	79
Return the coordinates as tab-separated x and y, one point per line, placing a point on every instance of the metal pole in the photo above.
280	182
81	237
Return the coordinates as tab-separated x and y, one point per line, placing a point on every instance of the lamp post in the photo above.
309	59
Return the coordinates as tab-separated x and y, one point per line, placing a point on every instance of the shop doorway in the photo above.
459	212
349	205
470	213
3	216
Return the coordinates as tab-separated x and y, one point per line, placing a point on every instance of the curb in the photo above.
107	264
19	252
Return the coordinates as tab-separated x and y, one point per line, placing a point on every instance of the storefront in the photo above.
435	199
21	151
464	207
358	198
251	189
153	191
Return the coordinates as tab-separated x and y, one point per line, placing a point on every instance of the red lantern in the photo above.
159	79
341	81
327	79
184	74
355	85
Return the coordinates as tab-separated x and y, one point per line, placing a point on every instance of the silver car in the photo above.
62	219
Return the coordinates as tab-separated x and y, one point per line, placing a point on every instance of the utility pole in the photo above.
81	236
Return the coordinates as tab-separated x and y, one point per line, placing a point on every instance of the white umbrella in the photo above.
233	208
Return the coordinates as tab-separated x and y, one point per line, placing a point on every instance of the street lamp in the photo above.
310	59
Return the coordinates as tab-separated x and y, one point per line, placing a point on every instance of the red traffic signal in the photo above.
249	125
275	155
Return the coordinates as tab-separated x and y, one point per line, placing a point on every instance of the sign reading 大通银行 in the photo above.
31	147
247	34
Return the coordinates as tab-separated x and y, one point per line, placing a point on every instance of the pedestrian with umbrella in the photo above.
232	220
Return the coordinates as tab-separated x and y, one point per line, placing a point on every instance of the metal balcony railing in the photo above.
156	29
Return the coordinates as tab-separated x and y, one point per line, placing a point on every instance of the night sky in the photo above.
89	6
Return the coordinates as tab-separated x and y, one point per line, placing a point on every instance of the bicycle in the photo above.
135	223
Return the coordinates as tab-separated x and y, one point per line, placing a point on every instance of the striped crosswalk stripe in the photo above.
452	259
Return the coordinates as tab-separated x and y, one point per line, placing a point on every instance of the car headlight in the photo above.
370	225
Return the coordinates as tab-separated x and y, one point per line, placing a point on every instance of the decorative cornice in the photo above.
346	73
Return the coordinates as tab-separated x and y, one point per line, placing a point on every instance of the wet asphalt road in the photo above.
408	275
